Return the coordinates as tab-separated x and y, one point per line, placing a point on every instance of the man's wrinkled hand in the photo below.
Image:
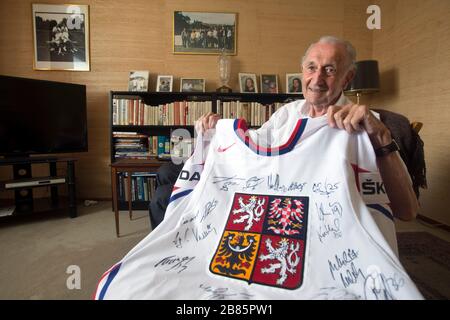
206	122
354	118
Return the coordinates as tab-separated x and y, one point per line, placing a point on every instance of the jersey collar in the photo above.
240	128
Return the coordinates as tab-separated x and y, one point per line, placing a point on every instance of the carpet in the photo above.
426	258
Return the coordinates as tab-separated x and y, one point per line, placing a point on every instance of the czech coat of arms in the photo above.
264	240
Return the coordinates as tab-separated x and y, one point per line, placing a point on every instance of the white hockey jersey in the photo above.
266	222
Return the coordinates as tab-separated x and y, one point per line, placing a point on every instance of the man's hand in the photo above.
397	182
206	122
353	117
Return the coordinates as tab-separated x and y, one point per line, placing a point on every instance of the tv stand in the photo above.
23	183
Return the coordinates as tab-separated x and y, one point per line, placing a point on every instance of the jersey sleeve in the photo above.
373	192
367	175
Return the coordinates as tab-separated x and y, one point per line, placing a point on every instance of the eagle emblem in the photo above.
264	241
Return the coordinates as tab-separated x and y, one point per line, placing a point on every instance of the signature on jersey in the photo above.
175	263
373	283
223	293
201	215
248	184
273	182
325	188
329	216
195	232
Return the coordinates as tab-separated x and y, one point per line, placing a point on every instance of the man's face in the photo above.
325	73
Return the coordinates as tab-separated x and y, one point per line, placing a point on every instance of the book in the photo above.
161	144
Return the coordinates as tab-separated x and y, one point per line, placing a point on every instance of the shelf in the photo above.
32	183
165	97
38	206
137	126
156	98
39	159
126	162
24	183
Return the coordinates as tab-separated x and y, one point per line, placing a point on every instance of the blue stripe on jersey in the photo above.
240	127
381	209
179	195
111	276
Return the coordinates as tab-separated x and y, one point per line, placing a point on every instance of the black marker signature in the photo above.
209	207
329	220
253	182
175	263
325	189
343	260
379	287
180	237
274	184
227	182
202	234
217	293
223	293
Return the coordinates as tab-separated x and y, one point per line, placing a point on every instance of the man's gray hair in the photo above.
349	49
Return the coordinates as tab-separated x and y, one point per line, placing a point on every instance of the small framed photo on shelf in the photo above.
204	32
61	37
164	84
269	83
138	81
247	82
192	85
294	83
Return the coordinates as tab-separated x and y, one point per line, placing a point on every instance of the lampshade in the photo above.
366	80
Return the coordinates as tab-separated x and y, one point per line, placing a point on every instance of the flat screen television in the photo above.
41	117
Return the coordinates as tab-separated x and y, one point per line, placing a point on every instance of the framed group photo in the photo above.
164	83
61	37
192	85
204	32
247	83
294	83
269	83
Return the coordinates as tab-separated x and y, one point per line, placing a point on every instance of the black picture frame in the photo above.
61	37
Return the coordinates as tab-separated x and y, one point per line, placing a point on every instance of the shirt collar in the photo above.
304	110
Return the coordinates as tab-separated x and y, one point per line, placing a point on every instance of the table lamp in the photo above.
366	80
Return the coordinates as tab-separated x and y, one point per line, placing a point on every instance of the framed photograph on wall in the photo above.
192	85
269	83
294	83
204	32
247	83
61	37
138	81
164	83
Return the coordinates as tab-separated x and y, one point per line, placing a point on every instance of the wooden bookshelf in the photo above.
159	104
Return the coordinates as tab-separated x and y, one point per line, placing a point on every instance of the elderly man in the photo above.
328	66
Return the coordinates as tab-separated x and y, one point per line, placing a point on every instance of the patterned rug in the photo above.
426	258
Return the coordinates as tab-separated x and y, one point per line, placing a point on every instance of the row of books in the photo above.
136	112
253	112
143	185
135	145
